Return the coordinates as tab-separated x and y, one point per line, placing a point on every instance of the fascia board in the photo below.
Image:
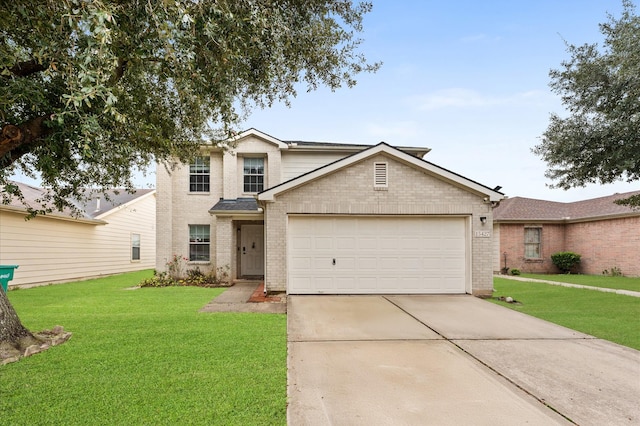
54	216
259	134
125	205
269	194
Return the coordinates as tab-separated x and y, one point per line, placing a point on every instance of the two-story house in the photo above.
314	218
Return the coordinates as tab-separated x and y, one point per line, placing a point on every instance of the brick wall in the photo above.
606	244
177	208
602	244
512	243
350	191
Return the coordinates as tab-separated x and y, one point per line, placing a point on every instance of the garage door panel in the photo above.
411	264
366	242
325	284
346	243
377	255
301	243
367	264
346	264
321	264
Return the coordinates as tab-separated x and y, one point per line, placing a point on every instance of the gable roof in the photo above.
258	134
519	209
382	147
92	209
306	146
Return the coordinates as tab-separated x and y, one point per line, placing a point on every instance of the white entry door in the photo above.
251	250
377	254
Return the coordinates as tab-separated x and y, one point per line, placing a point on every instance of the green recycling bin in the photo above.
6	275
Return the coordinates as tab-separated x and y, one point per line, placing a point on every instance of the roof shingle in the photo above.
520	208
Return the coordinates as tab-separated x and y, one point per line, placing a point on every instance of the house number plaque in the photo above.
482	234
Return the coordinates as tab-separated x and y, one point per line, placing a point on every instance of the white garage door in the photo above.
373	254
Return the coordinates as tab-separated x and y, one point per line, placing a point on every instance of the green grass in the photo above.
145	356
607	316
622	283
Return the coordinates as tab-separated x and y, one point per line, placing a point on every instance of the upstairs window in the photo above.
199	242
532	243
253	174
199	174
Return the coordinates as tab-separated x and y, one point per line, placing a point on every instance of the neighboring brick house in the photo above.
314	218
605	234
110	236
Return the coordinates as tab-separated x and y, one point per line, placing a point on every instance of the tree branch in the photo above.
25	68
120	69
18	140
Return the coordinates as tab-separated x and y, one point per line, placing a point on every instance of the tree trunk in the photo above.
15	141
14	338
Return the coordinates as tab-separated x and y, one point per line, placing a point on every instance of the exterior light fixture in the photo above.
483	220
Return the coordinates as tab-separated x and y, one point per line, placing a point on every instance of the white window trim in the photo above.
262	156
208	243
539	243
139	247
200	174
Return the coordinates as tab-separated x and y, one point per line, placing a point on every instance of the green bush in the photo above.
565	260
195	277
515	271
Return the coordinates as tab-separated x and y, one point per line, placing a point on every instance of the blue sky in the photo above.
468	79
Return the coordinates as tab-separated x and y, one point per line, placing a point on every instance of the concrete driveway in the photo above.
449	360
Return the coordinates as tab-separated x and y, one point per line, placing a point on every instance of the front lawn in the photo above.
145	356
608	316
604	281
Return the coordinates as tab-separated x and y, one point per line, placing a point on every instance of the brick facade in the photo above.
603	245
412	190
350	191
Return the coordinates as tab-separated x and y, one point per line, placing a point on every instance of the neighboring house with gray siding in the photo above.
605	234
109	237
327	218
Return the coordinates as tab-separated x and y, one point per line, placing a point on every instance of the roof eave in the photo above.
54	215
569	219
490	195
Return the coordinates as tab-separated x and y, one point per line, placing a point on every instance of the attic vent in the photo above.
380	179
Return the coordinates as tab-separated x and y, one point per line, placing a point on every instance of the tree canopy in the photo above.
90	90
599	140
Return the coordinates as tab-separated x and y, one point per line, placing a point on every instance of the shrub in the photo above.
194	277
565	260
615	272
176	266
515	271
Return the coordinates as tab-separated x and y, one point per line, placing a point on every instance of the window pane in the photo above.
199	239
532	251
135	246
199	253
253	179
199	171
532	235
532	239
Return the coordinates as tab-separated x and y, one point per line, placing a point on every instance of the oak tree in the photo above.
92	90
599	140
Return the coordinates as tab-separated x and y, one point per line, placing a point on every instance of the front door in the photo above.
251	250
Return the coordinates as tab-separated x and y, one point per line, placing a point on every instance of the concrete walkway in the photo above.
587	287
449	360
238	298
